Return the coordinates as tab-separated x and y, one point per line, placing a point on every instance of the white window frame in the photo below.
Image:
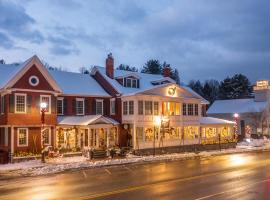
129	108
131	81
99	101
25	102
127	113
27	133
50	103
49	136
62	100
83	100
112	102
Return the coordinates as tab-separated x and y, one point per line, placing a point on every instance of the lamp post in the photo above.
43	107
157	123
236	116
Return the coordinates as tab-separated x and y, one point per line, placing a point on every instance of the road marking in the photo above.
84	174
177	180
106	170
129	169
232	190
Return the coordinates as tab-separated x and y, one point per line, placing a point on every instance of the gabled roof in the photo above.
85	120
236	106
12	73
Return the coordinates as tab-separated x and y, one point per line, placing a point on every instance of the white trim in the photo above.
12	139
50	131
131	82
6	136
99	100
25	103
82	100
33	84
23	145
50	103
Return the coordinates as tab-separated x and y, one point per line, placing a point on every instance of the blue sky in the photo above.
202	39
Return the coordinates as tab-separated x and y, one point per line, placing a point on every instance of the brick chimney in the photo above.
110	66
167	71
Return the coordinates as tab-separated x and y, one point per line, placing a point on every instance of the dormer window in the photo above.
131	82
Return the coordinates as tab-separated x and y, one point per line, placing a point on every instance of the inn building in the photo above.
104	109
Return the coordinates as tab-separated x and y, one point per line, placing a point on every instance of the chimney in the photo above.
167	71
110	66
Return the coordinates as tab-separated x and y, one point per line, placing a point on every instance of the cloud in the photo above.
5	41
17	23
62	46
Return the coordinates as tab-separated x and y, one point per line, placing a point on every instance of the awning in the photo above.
215	121
85	120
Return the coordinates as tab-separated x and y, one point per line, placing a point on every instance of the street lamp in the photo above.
157	123
43	107
236	116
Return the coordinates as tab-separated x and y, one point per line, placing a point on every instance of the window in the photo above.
2	136
140	107
156	110
190	109
196	110
112	106
148	108
33	80
60	106
169	108
20	103
177	108
2	105
131	107
80	106
139	135
22	137
131	82
184	109
125	108
99	107
47	136
46	99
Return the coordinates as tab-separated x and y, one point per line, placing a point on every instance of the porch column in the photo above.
12	144
96	137
107	137
89	135
134	136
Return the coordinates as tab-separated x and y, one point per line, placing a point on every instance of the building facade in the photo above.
104	109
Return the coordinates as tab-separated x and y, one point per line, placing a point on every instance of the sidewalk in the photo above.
56	165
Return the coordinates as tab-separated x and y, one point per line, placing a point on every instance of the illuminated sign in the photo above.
171	91
262	83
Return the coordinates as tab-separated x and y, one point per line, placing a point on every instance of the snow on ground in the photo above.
55	165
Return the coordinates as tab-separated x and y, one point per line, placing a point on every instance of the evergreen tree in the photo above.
152	67
127	68
2	61
196	86
236	87
176	77
210	90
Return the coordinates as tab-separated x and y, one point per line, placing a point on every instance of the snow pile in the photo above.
253	143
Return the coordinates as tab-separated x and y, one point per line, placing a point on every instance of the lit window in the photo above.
148	107
22	135
190	109
140	107
80	106
156	110
171	108
47	136
139	134
131	107
177	108
60	106
125	108
20	100
184	109
46	99
99	107
112	106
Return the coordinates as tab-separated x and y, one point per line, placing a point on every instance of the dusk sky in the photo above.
203	39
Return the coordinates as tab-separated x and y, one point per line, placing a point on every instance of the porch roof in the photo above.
215	121
85	120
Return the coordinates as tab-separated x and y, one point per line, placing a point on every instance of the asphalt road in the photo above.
238	176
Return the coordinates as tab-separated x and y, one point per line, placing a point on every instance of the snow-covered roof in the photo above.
236	106
78	84
214	121
85	120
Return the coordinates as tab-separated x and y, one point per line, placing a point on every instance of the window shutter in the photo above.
74	106
94	107
138	83
29	103
38	103
125	80
65	104
86	106
11	103
53	104
105	107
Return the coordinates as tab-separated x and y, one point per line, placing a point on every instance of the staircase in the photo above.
98	153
